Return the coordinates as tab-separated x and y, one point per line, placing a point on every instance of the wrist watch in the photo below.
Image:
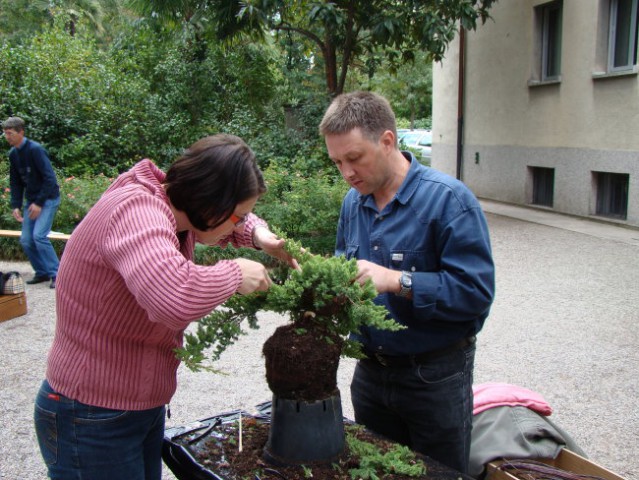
405	284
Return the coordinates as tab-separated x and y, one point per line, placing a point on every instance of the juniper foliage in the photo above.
324	287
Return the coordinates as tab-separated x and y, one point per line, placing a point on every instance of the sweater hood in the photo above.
145	174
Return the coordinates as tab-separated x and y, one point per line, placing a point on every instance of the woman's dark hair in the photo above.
211	177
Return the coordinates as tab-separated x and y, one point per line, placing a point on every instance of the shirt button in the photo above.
375	247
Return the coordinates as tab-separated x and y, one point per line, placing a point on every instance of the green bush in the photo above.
78	195
305	208
101	110
76	102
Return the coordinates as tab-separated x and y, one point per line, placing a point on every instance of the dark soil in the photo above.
220	454
301	361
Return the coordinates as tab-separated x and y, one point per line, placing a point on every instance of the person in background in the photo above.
421	237
127	289
33	186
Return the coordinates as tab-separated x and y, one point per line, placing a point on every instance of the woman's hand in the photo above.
269	242
254	276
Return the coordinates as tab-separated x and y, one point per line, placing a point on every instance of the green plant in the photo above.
374	464
88	114
324	288
78	195
304	206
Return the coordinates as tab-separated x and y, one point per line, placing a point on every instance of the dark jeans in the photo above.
79	441
427	407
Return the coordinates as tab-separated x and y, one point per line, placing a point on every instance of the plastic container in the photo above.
305	432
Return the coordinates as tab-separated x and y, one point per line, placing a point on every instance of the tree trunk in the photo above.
330	68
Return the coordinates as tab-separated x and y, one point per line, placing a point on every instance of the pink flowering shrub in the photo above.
78	195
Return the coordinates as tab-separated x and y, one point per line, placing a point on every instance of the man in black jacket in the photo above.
33	186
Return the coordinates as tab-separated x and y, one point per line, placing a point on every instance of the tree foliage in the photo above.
125	86
78	102
346	33
22	17
99	110
408	88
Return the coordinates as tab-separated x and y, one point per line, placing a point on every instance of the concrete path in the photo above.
593	227
565	323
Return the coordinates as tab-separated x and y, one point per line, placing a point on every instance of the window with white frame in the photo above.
548	27
622	35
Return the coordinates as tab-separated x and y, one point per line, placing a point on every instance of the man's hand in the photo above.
384	279
34	211
269	242
254	276
17	214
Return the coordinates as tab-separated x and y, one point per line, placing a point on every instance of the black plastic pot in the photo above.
305	432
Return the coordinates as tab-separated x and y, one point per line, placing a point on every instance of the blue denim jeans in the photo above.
79	441
35	242
428	407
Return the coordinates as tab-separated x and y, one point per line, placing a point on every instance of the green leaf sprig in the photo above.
324	288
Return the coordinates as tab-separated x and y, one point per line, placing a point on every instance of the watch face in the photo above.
406	280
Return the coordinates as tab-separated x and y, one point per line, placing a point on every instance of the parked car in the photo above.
420	141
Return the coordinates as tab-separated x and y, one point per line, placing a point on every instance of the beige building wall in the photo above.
586	122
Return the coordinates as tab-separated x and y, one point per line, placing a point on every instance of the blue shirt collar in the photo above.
411	182
407	188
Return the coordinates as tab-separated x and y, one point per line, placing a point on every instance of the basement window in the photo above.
543	186
612	194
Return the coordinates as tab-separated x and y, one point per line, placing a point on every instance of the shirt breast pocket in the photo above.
413	261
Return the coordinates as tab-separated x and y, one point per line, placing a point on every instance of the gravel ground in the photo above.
565	323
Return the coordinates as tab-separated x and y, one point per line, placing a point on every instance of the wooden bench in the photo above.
53	235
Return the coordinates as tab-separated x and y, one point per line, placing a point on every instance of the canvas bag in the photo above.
11	283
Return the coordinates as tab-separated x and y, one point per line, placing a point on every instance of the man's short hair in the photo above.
368	111
14	123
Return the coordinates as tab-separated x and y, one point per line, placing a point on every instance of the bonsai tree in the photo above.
324	304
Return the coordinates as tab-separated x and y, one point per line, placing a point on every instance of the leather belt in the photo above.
420	358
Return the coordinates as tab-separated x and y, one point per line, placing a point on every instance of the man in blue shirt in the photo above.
421	237
33	181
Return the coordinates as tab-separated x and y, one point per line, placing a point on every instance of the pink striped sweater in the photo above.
126	290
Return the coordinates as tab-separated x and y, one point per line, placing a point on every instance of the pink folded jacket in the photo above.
495	394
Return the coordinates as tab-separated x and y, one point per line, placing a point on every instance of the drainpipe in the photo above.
460	103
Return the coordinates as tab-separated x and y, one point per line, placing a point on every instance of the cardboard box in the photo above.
566	460
12	306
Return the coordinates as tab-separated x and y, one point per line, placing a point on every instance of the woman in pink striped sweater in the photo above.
126	290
